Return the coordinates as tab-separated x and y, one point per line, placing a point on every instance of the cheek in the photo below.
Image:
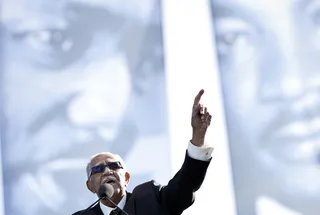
240	88
96	183
122	179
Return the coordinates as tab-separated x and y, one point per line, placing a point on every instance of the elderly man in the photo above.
151	198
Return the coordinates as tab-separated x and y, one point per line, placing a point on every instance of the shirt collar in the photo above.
107	210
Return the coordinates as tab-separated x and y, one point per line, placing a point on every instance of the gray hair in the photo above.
116	156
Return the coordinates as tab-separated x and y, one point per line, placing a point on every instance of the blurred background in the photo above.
83	76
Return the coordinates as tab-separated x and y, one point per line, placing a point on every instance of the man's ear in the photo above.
127	178
90	186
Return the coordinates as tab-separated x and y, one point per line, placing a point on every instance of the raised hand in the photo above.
200	121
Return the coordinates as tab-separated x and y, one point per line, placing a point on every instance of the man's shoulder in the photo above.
148	184
148	194
94	210
151	186
78	212
89	212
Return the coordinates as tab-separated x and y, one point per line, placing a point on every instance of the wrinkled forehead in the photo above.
262	14
35	14
44	11
104	158
56	11
263	3
266	7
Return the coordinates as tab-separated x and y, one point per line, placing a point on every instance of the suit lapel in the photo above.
128	197
97	210
130	205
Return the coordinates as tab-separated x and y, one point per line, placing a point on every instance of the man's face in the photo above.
111	174
64	75
66	86
269	55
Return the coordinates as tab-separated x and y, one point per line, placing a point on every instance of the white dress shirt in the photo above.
197	153
107	210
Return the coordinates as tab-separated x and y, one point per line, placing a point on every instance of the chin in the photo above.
116	188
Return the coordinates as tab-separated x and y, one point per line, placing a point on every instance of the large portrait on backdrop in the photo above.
79	77
268	54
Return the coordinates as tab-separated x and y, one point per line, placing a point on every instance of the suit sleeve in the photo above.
178	195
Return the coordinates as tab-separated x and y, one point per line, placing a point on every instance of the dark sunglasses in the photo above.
100	168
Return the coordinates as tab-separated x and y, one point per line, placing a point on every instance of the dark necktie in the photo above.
115	212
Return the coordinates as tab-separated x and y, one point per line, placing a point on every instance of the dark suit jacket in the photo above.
151	198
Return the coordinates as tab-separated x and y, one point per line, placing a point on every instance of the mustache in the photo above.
57	110
304	121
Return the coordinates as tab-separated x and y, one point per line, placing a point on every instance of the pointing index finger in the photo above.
198	97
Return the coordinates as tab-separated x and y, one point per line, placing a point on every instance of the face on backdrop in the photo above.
65	72
269	62
63	75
